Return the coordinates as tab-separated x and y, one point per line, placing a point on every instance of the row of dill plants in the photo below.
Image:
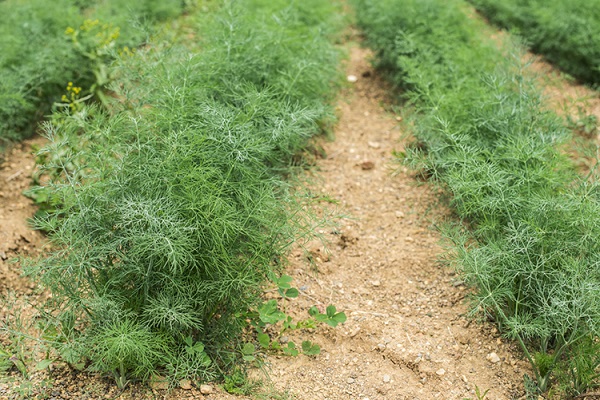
566	32
48	43
175	204
529	237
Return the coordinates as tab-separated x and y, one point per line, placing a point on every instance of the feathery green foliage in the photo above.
171	208
566	32
47	44
533	244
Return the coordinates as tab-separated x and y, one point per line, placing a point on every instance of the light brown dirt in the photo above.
16	235
406	337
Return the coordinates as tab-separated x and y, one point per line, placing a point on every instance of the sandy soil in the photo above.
16	235
406	337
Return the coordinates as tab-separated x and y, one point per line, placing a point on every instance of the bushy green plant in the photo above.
567	33
41	52
171	211
532	247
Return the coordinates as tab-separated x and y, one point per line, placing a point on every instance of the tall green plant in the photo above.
532	247
48	44
567	33
172	213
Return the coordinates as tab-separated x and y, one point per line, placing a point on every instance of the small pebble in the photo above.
350	380
185	384
440	372
206	389
386	379
493	358
159	382
352	78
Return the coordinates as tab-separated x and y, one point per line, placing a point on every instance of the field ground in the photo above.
407	336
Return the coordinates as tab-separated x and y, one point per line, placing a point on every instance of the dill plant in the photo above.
567	33
38	58
171	209
531	247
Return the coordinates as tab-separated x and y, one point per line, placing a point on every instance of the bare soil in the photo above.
16	234
407	335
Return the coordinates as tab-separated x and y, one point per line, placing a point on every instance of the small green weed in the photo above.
479	395
269	318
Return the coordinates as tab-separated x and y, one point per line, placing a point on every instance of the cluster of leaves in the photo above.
531	239
270	316
171	211
566	32
47	44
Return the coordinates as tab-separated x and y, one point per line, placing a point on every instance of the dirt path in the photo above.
16	236
406	336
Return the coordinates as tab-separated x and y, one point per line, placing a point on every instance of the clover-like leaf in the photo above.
291	349
331	318
42	365
310	349
264	340
248	352
270	313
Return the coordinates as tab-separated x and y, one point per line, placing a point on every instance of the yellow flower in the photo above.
88	24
